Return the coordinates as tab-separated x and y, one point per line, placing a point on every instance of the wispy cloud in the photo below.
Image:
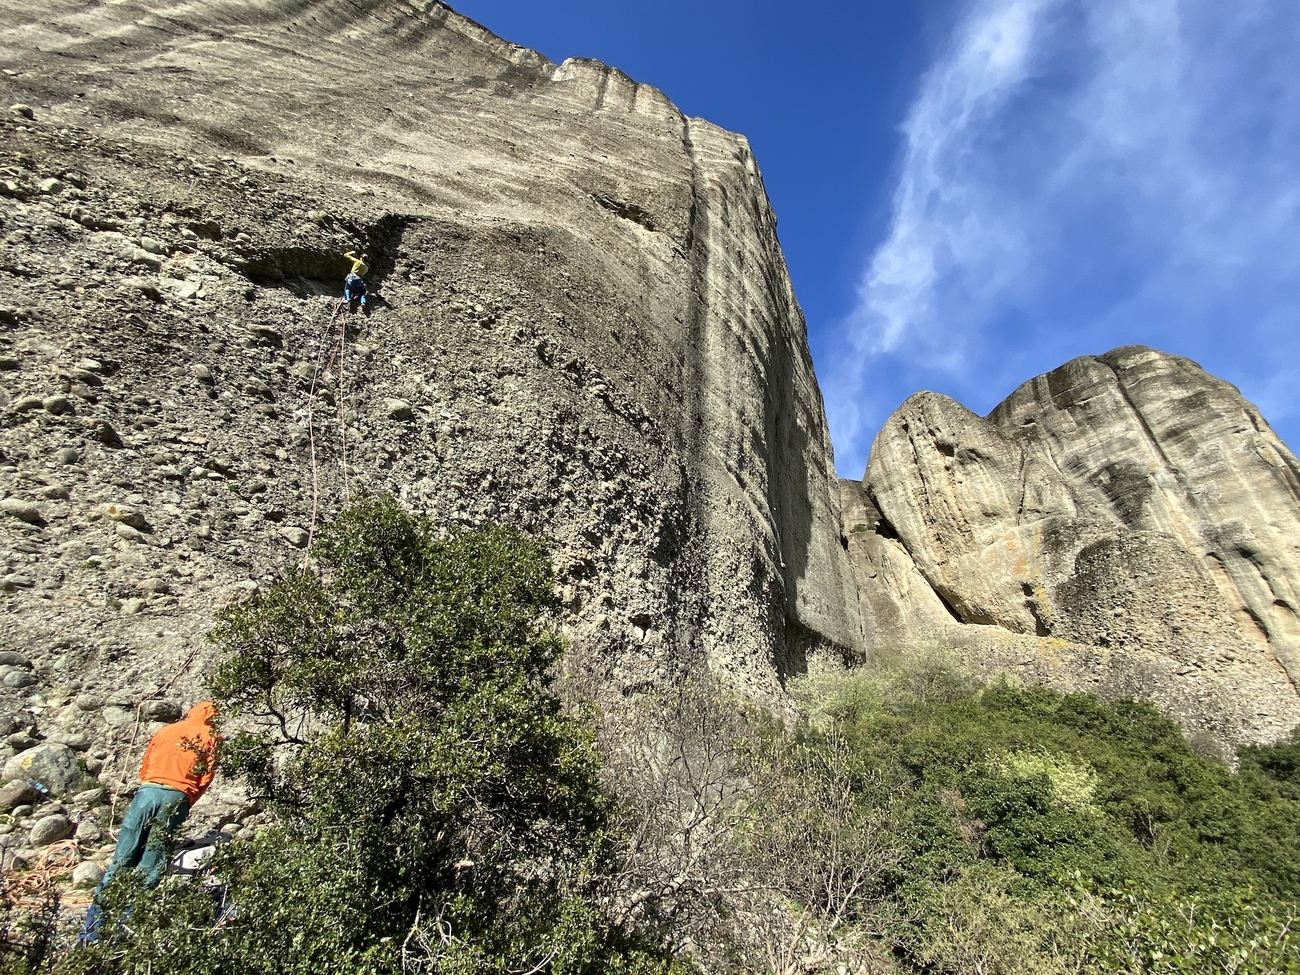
1078	174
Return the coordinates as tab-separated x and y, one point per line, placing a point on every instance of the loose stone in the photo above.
296	537
22	510
87	874
51	829
399	409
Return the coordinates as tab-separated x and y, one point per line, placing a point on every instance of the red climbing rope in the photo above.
338	314
343	412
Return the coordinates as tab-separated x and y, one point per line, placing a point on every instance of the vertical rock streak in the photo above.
757	401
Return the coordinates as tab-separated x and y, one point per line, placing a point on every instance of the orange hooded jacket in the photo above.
183	755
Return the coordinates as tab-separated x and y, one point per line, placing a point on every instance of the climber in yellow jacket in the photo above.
354	287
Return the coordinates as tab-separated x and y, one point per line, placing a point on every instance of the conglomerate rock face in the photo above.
1126	523
582	324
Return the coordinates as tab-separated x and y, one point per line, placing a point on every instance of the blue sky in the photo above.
971	192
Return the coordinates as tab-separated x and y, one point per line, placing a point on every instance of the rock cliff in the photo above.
583	324
1126	524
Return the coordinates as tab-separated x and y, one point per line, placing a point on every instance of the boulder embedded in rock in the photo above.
296	537
162	710
17	793
87	874
125	514
131	535
398	409
22	510
115	715
90	798
21	740
51	764
267	333
77	742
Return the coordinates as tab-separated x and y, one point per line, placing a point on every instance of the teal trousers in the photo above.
143	843
145	839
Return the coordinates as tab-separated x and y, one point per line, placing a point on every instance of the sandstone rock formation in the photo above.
1126	523
584	325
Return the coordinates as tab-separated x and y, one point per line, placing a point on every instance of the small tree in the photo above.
435	809
751	846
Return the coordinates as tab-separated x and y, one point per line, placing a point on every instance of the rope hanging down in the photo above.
338	315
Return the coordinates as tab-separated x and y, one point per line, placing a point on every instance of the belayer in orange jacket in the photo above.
177	769
183	756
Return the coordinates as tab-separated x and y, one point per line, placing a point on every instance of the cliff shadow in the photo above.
308	270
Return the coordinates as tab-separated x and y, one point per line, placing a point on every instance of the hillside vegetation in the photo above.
1042	832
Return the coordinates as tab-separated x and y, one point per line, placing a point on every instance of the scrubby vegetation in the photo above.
915	820
438	809
1042	832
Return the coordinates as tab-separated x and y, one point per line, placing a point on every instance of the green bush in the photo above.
436	809
986	920
1274	769
1234	932
1036	821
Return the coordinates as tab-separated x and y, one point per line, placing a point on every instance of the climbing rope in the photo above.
32	887
343	413
338	316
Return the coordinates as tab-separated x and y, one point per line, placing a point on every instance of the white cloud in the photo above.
1078	174
959	100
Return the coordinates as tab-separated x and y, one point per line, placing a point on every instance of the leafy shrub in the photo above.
985	920
1020	800
1235	932
436	809
1278	763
